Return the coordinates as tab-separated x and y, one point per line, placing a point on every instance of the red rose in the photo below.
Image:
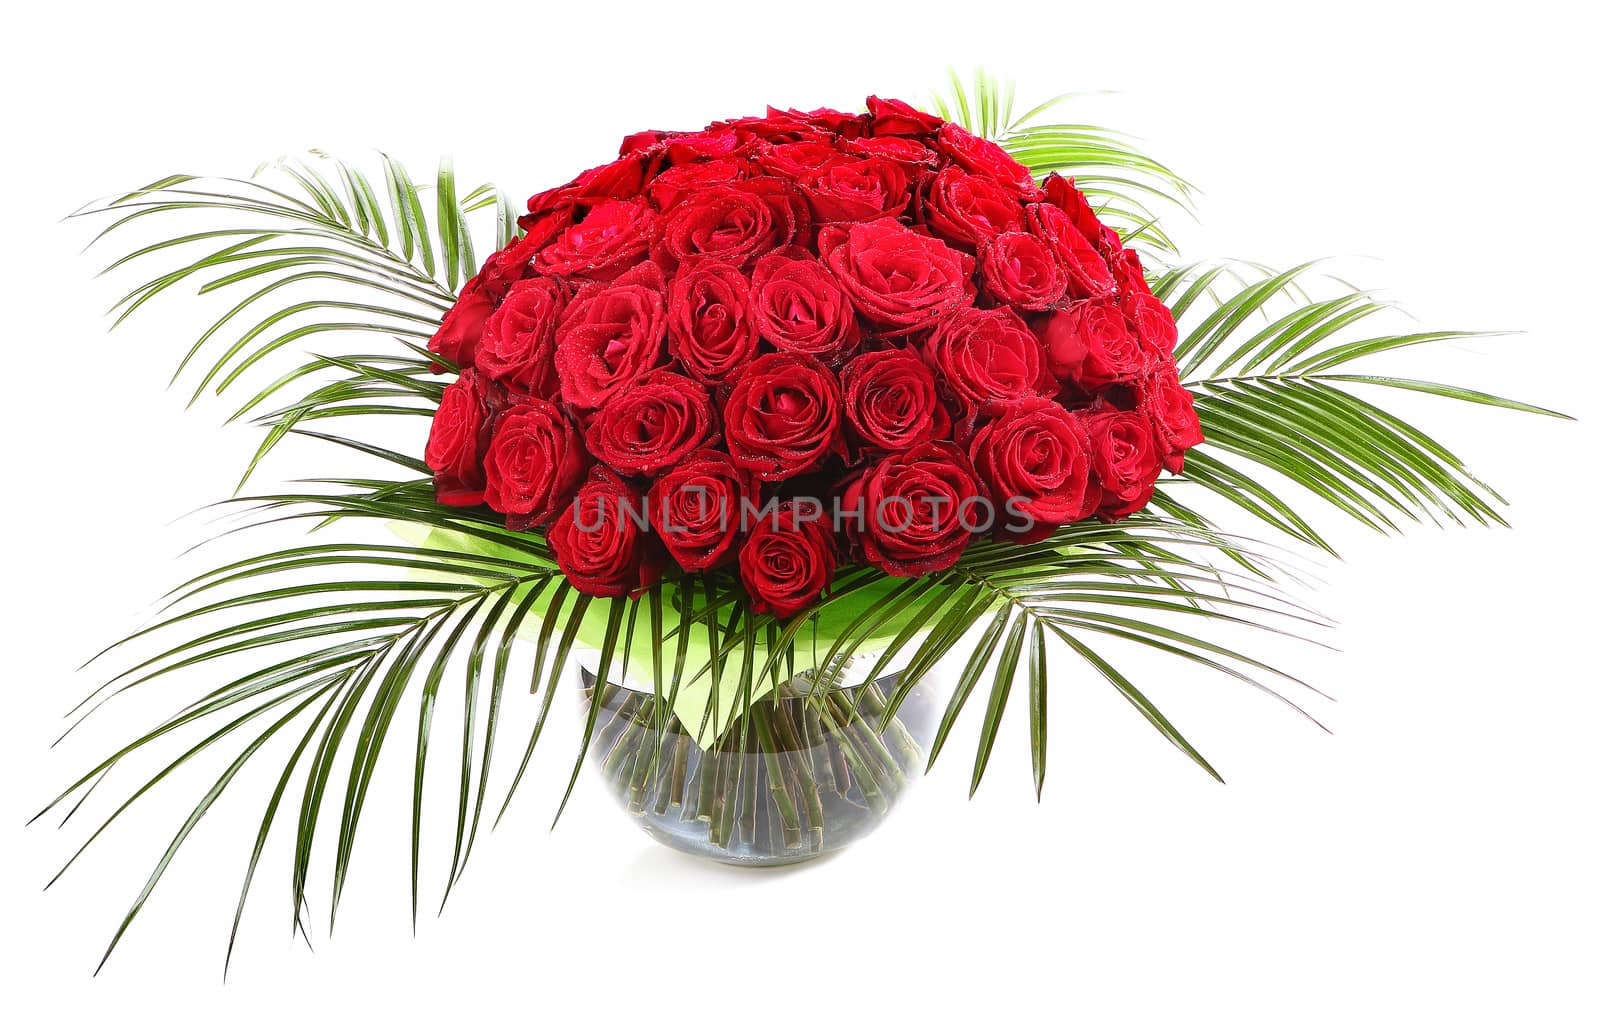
1128	272
915	511
610	335
1089	344
518	344
782	416
989	359
799	307
1035	460
710	326
696	509
619	179
1126	458
1085	271
889	399
736	223
599	540
1152	323
846	189
533	462
966	209
1063	193
462	327
652	424
672	184
795	159
1170	407
606	243
787	559
457	440
892	116
898	278
910	153
1019	269
984	157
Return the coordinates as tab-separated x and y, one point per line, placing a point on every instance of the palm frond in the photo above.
1269	367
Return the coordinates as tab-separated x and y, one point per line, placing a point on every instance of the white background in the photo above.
1436	855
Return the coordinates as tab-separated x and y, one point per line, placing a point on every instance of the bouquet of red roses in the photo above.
759	425
790	341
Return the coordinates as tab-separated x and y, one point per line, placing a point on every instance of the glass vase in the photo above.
799	775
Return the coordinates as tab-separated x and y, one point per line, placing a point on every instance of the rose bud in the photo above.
1170	407
599	540
610	335
1035	461
696	509
787	560
457	441
782	416
798	307
989	360
1089	344
890	400
893	116
710	326
652	424
519	339
534	461
603	245
1125	457
735	223
1085	273
897	278
1018	269
967	210
915	511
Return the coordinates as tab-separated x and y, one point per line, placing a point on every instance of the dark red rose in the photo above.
610	335
890	400
711	328
1035	460
519	339
787	559
1019	269
457	440
782	416
897	278
795	159
1152	323
652	424
697	507
966	209
1089	344
798	306
891	116
989	359
600	541
534	461
1063	193
1126	459
914	511
736	223
606	243
1170	407
982	156
847	189
1086	273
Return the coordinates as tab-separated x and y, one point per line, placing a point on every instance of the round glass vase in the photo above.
796	777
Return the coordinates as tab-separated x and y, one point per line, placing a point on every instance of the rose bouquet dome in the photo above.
788	342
